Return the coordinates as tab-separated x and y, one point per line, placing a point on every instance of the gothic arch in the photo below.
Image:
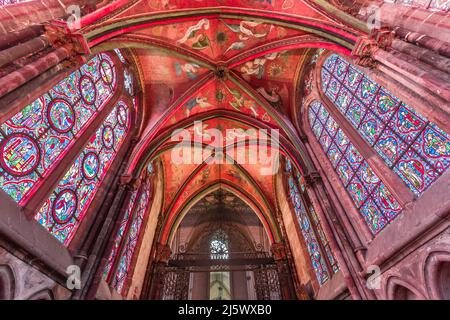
7	283
398	289
295	150
437	275
107	31
271	229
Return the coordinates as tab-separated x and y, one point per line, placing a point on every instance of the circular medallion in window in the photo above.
107	72
65	206
91	165
61	115
122	115
19	154
108	137
128	82
88	90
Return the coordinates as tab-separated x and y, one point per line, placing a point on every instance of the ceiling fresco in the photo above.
223	175
247	172
218	39
233	65
220	94
297	7
273	76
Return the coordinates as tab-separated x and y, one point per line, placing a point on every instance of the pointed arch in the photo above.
7	283
271	229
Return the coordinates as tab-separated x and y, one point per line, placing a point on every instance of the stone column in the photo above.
161	259
349	257
284	273
421	81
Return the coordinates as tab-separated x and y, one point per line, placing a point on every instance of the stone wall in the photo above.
20	281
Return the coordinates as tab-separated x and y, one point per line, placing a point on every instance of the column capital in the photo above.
312	178
363	52
163	253
127	181
59	34
279	251
366	46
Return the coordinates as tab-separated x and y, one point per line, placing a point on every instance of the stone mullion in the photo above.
122	247
354	256
299	234
58	172
334	234
313	226
140	238
124	208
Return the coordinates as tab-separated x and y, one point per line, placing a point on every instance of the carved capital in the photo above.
163	253
279	251
59	34
366	46
312	179
363	52
383	37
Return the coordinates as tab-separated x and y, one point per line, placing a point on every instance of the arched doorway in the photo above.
220	252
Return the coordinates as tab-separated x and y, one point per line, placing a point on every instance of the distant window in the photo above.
219	245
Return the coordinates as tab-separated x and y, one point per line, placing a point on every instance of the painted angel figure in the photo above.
199	101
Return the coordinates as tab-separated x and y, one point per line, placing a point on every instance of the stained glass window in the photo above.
123	227
121	57
128	82
219	245
35	140
63	211
415	148
312	232
372	198
131	239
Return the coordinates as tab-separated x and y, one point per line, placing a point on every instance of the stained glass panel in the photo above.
415	148
36	139
308	234
128	82
311	227
370	196
63	211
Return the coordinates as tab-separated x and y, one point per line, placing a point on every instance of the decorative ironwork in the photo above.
267	283
175	284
